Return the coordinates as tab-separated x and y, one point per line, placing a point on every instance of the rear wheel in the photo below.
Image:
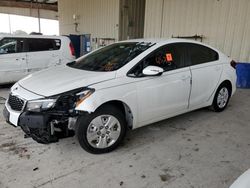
101	131
221	98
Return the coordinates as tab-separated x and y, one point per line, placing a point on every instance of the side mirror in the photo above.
152	71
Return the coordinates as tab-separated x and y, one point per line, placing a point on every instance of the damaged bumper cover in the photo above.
44	128
49	119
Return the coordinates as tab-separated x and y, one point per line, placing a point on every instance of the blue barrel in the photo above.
243	75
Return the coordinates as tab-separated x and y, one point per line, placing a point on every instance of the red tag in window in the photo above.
169	57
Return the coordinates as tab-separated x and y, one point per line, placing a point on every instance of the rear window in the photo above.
201	54
111	57
35	45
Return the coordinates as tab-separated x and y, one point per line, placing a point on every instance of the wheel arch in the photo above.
227	83
215	106
126	110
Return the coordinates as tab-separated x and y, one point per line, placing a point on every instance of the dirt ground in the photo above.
201	149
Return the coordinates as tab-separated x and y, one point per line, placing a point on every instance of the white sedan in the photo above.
123	86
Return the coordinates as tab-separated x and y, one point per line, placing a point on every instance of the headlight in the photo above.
40	105
81	96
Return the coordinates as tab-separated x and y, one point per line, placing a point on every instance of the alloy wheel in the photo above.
103	131
223	97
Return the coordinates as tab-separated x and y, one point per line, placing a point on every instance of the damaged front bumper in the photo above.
46	120
45	127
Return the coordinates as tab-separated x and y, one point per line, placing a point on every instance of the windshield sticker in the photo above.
169	57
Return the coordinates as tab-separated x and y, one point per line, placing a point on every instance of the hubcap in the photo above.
103	131
222	97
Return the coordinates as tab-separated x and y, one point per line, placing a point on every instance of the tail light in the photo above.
72	49
233	64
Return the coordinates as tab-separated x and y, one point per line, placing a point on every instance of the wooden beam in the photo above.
19	4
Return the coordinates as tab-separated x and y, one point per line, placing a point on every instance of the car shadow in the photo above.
164	129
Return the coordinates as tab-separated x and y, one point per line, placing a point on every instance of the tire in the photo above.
221	98
101	131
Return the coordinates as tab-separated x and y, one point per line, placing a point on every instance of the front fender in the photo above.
126	95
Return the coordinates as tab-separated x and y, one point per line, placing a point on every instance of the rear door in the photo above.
206	70
12	60
42	53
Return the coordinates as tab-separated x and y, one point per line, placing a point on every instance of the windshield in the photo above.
110	58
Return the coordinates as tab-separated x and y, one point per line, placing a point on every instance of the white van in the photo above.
23	55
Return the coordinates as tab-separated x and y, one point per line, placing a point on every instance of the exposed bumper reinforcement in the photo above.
39	127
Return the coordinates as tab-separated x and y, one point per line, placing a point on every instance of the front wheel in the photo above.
101	131
221	98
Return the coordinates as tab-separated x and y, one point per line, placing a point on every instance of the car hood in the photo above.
61	79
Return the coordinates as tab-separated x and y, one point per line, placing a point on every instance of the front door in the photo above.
161	96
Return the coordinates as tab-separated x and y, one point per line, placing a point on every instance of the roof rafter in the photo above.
32	4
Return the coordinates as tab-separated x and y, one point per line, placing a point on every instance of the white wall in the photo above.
99	18
225	24
132	16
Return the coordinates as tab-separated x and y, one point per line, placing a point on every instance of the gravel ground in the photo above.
194	150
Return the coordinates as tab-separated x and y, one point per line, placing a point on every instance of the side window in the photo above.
201	54
11	45
36	45
169	57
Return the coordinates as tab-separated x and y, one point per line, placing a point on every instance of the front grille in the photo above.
15	103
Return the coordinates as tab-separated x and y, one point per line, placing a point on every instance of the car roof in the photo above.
32	36
162	40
